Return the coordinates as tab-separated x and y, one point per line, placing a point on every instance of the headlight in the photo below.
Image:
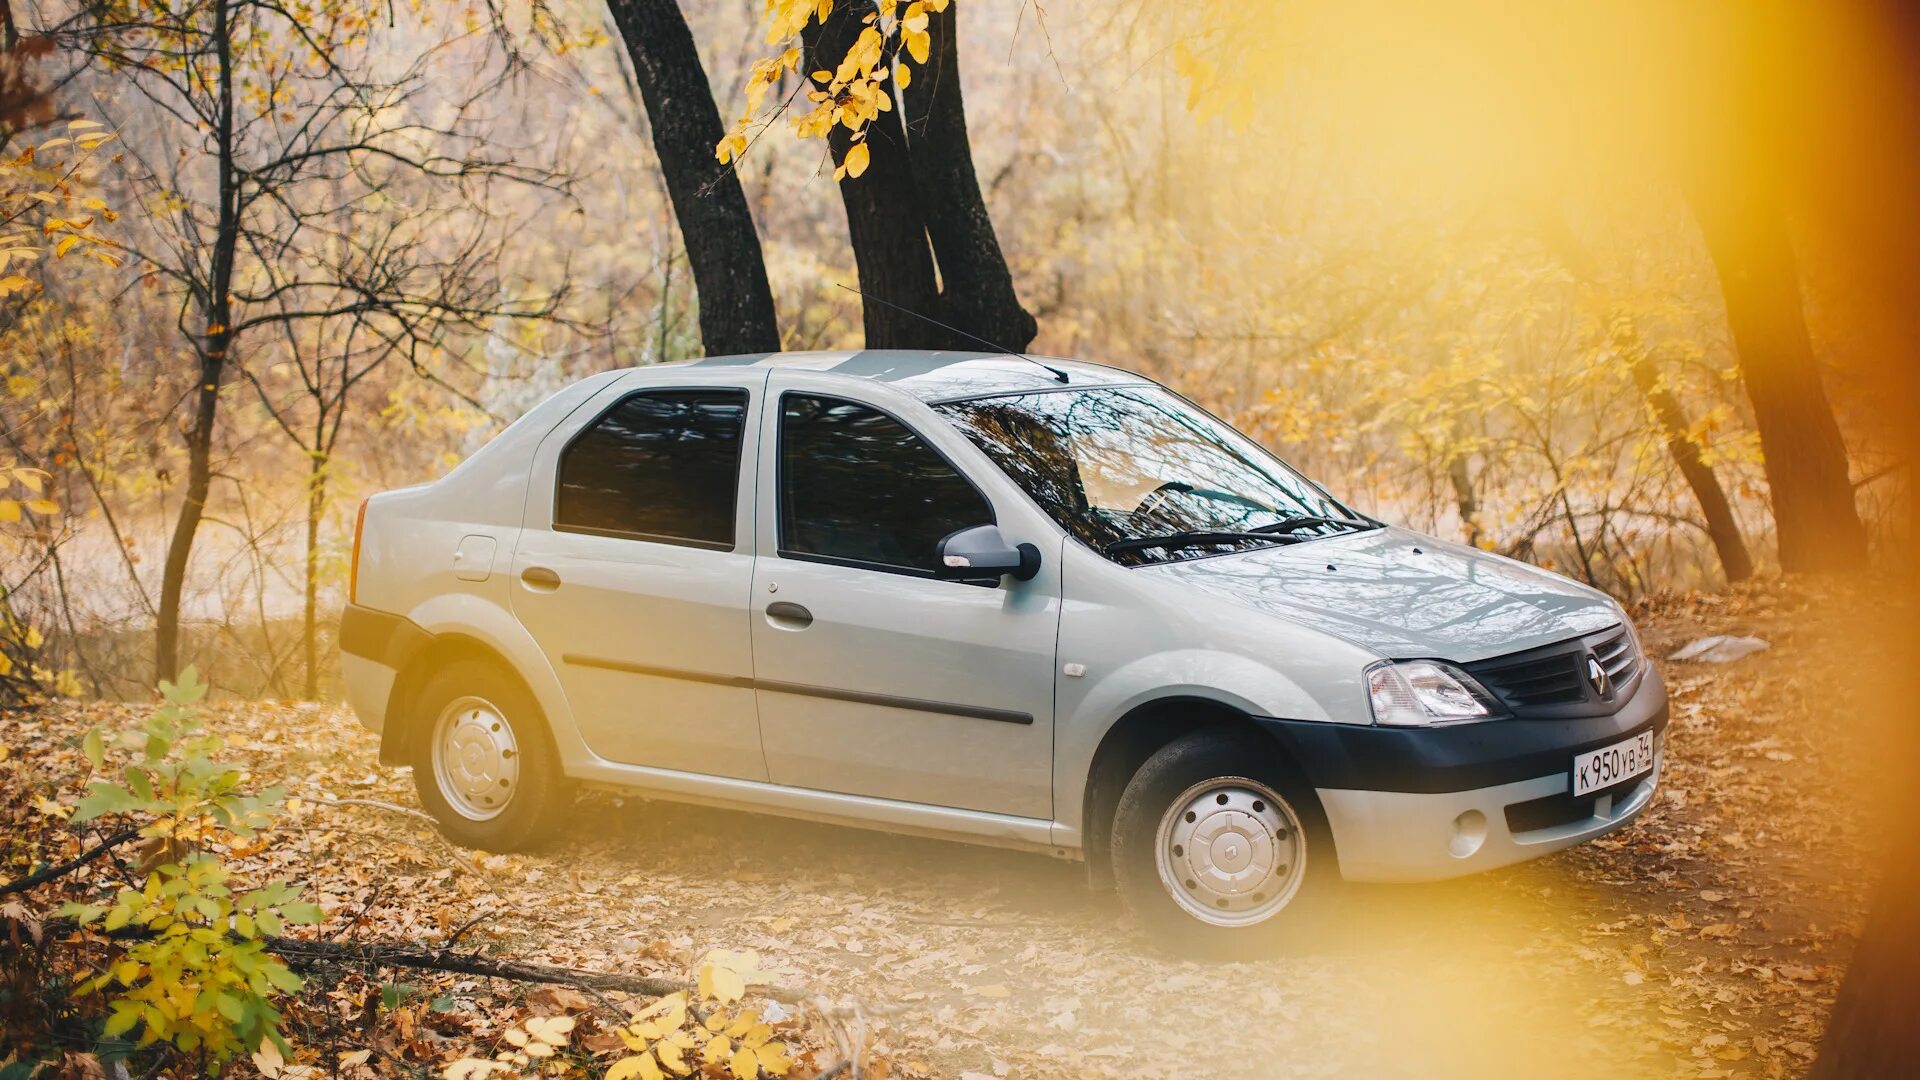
1412	693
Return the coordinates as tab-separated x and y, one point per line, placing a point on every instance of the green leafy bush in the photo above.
194	969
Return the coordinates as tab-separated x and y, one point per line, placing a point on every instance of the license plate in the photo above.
1599	769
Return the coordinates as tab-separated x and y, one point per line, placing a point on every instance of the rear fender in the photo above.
491	628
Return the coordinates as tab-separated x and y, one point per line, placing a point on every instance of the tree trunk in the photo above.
1735	562
1872	1032
976	289
884	219
1722	529
1806	462
309	615
213	358
723	249
1466	501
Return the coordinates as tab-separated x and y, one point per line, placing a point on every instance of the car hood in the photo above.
1402	594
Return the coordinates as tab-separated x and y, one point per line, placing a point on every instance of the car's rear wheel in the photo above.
483	762
1218	846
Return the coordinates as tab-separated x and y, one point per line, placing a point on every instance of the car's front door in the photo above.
874	677
633	568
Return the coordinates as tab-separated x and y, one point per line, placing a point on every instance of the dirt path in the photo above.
1705	940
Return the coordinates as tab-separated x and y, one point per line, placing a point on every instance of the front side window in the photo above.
1118	467
858	486
661	465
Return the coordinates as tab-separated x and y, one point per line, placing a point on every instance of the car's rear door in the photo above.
875	678
634	565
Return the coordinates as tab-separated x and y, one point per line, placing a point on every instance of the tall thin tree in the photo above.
261	123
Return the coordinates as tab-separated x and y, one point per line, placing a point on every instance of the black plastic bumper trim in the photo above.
1459	757
381	636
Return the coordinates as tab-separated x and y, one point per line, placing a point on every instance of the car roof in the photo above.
932	376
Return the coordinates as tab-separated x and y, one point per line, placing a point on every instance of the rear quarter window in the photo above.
660	465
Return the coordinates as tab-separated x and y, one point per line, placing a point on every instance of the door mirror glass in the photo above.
981	552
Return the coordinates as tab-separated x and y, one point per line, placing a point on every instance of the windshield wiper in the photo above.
1301	521
1194	538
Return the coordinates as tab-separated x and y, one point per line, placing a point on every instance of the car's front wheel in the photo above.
1217	846
483	763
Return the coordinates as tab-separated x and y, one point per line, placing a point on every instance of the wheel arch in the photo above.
403	714
1137	736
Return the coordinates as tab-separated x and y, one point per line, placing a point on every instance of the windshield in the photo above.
1122	465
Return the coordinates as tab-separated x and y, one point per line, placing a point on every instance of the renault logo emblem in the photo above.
1597	678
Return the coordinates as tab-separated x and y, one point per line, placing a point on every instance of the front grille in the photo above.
1551	682
1548	680
1618	656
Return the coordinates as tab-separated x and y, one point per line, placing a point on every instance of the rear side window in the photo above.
661	465
858	486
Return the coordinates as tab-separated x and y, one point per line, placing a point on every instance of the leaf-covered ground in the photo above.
1705	940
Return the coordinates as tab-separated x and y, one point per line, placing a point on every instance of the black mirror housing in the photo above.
981	552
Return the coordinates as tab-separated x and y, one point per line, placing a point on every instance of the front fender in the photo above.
1089	710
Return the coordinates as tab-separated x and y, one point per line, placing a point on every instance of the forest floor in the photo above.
1707	939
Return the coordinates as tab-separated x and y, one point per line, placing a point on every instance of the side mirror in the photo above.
981	552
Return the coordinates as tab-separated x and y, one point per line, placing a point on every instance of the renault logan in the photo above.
1025	602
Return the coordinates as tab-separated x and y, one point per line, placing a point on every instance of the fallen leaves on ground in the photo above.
1705	940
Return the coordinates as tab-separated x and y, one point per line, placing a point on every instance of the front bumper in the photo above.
1420	804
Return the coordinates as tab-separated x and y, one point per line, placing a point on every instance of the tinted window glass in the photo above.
1113	465
857	484
660	465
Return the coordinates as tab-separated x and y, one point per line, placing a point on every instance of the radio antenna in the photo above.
1056	372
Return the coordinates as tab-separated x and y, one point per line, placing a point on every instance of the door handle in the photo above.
789	616
540	579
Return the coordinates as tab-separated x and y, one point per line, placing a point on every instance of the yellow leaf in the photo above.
9	510
550	1029
744	1064
641	1067
856	160
268	1060
13	283
43	506
773	1058
671	1057
905	78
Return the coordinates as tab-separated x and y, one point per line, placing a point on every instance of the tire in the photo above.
1215	802
483	759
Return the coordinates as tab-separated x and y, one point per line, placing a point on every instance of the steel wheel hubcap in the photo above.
476	761
1230	851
